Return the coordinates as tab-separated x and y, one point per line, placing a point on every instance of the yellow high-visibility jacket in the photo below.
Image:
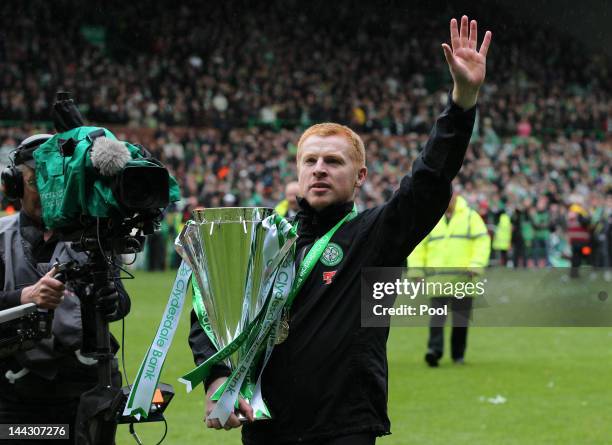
503	233
282	207
462	242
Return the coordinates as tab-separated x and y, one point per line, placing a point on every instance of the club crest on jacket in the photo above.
332	255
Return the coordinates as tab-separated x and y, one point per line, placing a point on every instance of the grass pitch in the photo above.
519	385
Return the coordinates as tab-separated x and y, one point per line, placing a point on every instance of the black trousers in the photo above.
352	439
461	309
35	400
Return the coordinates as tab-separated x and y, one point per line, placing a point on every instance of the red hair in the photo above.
326	129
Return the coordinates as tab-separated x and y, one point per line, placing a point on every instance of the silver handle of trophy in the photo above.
244	420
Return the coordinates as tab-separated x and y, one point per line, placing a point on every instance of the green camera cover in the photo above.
71	188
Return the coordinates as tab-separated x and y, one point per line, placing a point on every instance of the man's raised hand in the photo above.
467	64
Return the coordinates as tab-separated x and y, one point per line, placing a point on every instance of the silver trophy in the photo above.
233	267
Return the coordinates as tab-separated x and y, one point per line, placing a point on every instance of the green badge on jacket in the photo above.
332	255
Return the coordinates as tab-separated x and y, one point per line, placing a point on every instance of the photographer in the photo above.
43	385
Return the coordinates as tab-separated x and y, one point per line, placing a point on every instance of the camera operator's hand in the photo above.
233	421
108	299
46	293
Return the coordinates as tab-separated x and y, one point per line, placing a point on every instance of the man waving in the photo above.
327	382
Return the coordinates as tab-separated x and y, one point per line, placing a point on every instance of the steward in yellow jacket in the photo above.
503	238
288	207
454	252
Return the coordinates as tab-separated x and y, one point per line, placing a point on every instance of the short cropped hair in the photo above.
326	129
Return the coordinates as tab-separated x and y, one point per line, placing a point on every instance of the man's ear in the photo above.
361	176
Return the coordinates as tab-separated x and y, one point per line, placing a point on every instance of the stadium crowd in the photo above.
225	95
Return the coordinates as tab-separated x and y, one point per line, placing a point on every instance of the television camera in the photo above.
103	196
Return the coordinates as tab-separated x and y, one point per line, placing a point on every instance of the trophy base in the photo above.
258	418
244	420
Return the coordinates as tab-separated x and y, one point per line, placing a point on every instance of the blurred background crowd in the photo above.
220	92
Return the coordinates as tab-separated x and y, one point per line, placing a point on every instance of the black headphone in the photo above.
12	178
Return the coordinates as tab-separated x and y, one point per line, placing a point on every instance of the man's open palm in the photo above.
466	63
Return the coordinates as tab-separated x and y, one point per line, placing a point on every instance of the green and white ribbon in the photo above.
308	263
284	292
143	389
282	286
257	403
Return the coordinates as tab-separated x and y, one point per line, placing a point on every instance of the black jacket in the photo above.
329	378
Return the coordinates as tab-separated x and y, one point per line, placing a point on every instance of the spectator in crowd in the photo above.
289	207
578	235
540	219
502	238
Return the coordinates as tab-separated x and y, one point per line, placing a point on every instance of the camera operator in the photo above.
43	385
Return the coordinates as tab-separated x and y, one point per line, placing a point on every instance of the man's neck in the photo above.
304	206
322	219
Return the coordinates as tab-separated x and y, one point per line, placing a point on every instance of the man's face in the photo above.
291	193
30	203
326	173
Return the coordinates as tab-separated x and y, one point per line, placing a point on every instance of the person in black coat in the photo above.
327	382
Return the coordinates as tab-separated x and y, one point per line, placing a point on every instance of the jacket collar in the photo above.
319	222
